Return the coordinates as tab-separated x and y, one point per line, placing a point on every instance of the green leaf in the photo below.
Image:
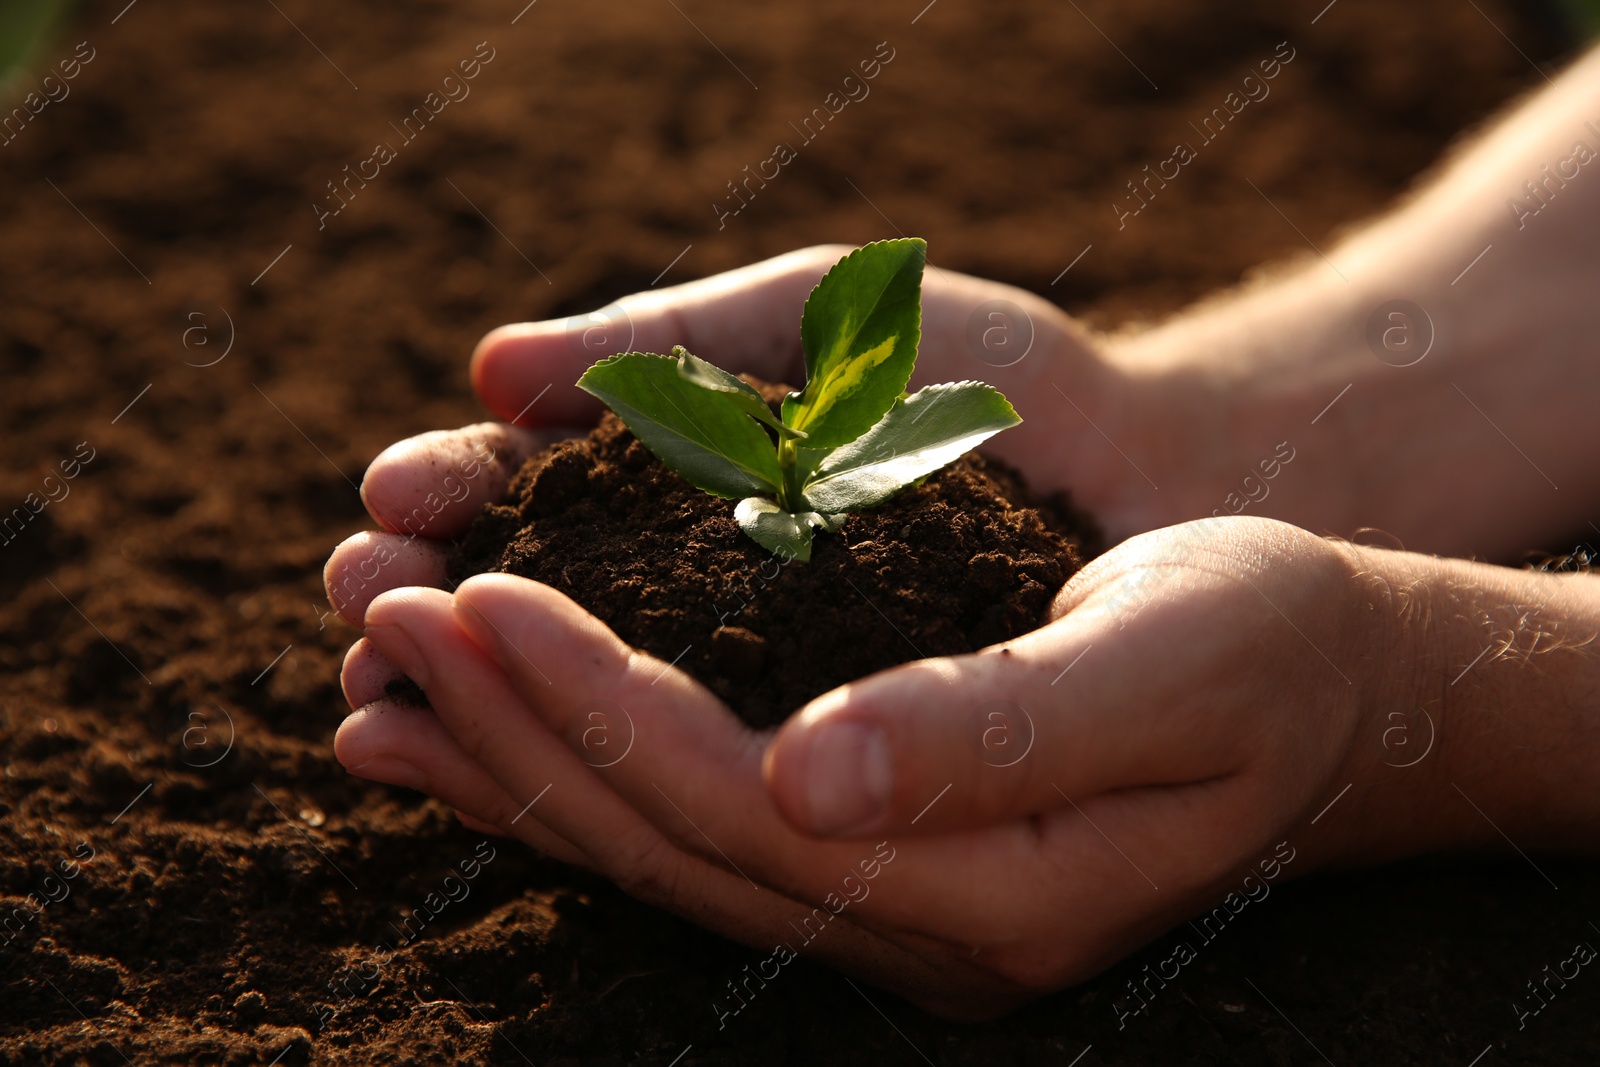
705	436
777	530
860	332
709	376
919	435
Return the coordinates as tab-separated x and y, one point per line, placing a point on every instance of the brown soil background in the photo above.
230	908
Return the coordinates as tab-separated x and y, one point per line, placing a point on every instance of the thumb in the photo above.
961	742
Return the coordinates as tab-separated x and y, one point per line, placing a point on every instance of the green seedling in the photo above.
849	440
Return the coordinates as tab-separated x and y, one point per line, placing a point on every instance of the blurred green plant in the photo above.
850	439
23	25
1581	16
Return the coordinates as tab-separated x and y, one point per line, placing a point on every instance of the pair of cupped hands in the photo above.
1045	806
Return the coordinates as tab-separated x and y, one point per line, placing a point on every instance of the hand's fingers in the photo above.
745	320
417	629
366	674
404	745
1067	711
490	722
432	485
368	564
479	826
694	771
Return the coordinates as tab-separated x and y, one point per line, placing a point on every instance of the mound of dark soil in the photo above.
966	559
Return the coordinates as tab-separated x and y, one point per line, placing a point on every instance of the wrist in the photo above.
1479	721
1233	385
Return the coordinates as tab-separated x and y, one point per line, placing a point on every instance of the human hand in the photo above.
1074	399
1191	703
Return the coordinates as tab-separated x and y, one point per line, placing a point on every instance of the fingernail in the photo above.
848	777
391	771
398	648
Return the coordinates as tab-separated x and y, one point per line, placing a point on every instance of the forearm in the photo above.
1485	444
1483	720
